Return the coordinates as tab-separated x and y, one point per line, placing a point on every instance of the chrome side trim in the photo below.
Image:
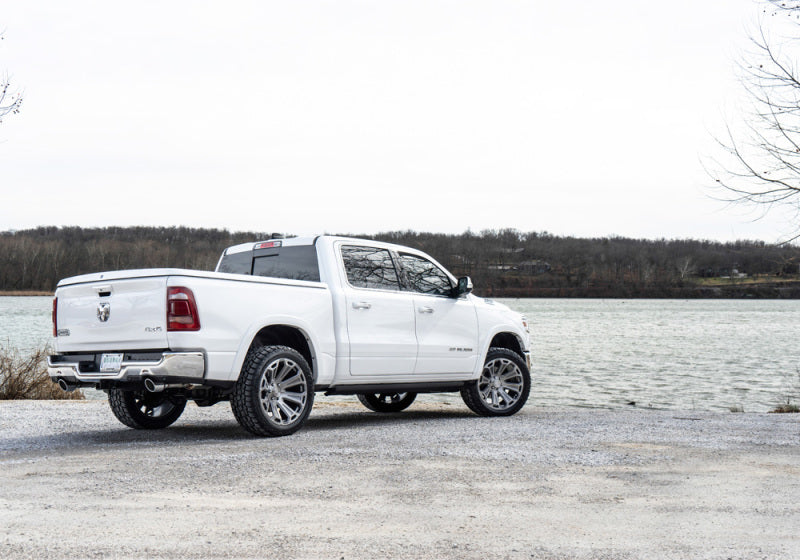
190	365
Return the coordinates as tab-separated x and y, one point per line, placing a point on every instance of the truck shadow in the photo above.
203	432
355	419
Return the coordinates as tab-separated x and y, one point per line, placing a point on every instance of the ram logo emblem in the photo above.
103	312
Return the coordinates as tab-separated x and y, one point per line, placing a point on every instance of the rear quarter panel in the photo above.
234	308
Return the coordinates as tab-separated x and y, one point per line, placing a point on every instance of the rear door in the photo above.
125	314
380	317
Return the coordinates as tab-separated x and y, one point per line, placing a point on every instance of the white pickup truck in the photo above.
280	320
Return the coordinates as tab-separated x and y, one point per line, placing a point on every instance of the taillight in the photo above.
55	317
182	310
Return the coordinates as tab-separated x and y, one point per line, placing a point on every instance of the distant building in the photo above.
536	266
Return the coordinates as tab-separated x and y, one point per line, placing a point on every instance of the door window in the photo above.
425	277
369	267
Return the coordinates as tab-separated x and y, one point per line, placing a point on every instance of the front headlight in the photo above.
527	328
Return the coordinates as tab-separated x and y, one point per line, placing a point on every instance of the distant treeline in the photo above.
36	259
501	263
511	263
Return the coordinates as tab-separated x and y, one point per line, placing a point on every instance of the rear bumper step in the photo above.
183	366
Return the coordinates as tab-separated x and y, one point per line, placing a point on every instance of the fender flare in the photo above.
486	344
273	321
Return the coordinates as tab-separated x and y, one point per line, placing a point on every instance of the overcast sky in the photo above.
580	118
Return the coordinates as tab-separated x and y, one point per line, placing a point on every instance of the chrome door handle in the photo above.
426	309
361	305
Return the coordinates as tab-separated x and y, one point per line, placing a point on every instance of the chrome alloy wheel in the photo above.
501	384
153	405
283	391
391	398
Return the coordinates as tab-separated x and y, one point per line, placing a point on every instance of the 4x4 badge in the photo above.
103	311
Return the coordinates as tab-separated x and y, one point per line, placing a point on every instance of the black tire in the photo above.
274	393
144	410
503	387
387	402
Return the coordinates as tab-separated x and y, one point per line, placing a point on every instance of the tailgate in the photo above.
124	314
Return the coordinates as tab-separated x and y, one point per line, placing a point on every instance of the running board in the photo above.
438	387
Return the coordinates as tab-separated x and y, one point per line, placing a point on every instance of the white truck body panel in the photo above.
447	335
381	332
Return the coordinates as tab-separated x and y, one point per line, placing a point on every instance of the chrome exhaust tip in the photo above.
152	386
67	387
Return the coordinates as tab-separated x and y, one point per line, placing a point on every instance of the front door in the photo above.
447	327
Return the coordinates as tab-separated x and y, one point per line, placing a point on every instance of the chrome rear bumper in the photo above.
179	365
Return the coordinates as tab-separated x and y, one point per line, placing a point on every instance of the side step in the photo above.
438	387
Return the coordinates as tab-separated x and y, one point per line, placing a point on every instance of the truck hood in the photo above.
495	306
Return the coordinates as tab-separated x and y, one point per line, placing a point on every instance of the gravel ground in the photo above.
432	482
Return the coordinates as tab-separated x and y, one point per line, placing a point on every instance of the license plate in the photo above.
110	363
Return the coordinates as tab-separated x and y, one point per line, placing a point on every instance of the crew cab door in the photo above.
380	317
447	327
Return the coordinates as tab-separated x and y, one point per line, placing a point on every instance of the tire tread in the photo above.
122	406
472	399
243	401
377	406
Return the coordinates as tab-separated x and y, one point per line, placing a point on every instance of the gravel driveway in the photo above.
432	482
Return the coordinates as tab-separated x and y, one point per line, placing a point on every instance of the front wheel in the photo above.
387	402
143	410
503	386
274	393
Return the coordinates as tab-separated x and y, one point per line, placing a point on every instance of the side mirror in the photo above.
464	286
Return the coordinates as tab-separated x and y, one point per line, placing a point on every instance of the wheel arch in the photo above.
508	340
286	335
279	333
502	338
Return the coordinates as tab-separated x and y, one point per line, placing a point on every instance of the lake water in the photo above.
25	322
672	354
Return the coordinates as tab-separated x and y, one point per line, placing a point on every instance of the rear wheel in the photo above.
387	402
274	393
144	410
503	387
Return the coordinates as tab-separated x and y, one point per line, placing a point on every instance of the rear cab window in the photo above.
274	259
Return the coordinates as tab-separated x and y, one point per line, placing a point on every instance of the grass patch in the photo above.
25	377
746	281
785	408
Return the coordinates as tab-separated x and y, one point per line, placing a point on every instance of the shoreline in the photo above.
788	290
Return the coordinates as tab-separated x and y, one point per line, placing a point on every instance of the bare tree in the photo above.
762	166
10	100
